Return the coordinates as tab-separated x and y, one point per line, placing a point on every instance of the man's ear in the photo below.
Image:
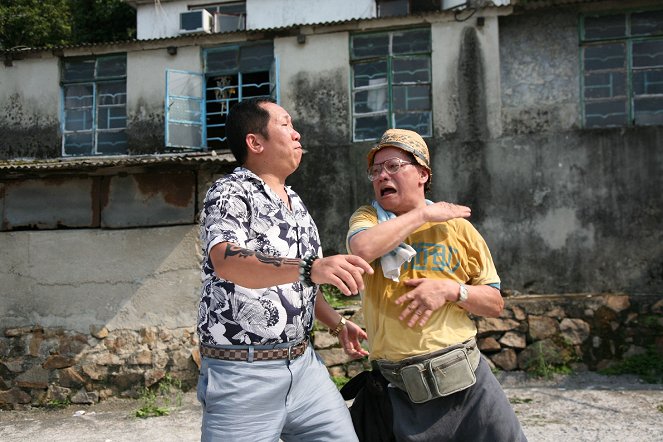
423	175
253	144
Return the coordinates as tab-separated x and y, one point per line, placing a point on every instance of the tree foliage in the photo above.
47	23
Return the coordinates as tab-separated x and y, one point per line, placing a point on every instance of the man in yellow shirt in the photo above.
431	268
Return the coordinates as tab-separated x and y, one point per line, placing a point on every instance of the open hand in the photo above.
342	271
427	296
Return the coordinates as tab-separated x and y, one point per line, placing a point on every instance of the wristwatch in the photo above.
463	294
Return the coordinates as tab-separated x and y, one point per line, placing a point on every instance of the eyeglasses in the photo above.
392	166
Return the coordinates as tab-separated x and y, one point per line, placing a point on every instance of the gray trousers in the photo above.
479	413
263	401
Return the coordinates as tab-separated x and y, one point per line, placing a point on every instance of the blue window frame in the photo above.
622	69
391	82
94	105
197	104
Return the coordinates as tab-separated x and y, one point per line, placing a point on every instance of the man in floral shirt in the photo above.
260	379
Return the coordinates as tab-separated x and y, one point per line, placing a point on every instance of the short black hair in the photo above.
246	117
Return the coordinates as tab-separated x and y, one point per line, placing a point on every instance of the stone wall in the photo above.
41	365
583	331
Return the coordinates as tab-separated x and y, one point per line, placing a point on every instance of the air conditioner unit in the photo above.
196	21
229	22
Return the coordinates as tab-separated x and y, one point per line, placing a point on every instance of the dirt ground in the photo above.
578	407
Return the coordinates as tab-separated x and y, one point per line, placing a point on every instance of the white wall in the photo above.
446	41
261	14
36	84
146	74
161	19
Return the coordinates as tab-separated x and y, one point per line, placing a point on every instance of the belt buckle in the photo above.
290	352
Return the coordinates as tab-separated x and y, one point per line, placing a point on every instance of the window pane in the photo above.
606	113
607	26
408	98
414	69
370	128
371	45
78	70
648	82
78	96
390	8
78	144
111	118
366	74
78	119
185	109
373	100
609	56
256	58
112	142
115	66
256	84
648	53
648	110
185	134
647	23
222	60
605	85
408	42
111	93
418	122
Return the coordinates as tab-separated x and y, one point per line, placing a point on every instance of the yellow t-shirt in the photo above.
450	250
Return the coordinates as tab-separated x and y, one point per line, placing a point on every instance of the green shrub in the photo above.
159	401
648	366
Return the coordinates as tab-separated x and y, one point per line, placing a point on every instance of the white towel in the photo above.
391	262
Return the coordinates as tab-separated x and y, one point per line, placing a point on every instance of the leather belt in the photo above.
251	354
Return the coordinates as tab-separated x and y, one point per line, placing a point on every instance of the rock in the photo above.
506	359
542	327
513	340
83	397
324	340
575	331
488	344
57	361
99	331
617	302
9	398
333	356
70	378
35	377
492	325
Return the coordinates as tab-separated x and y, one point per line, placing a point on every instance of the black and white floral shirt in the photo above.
240	208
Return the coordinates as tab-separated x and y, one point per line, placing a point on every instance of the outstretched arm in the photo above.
383	237
253	269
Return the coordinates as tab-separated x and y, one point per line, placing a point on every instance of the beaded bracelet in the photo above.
305	266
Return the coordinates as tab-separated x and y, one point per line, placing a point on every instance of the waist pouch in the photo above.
434	375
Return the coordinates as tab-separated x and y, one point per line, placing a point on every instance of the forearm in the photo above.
252	269
325	313
384	237
483	300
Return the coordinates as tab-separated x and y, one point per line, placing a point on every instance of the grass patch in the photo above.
57	404
551	360
648	366
660	408
335	298
518	400
159	401
340	381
